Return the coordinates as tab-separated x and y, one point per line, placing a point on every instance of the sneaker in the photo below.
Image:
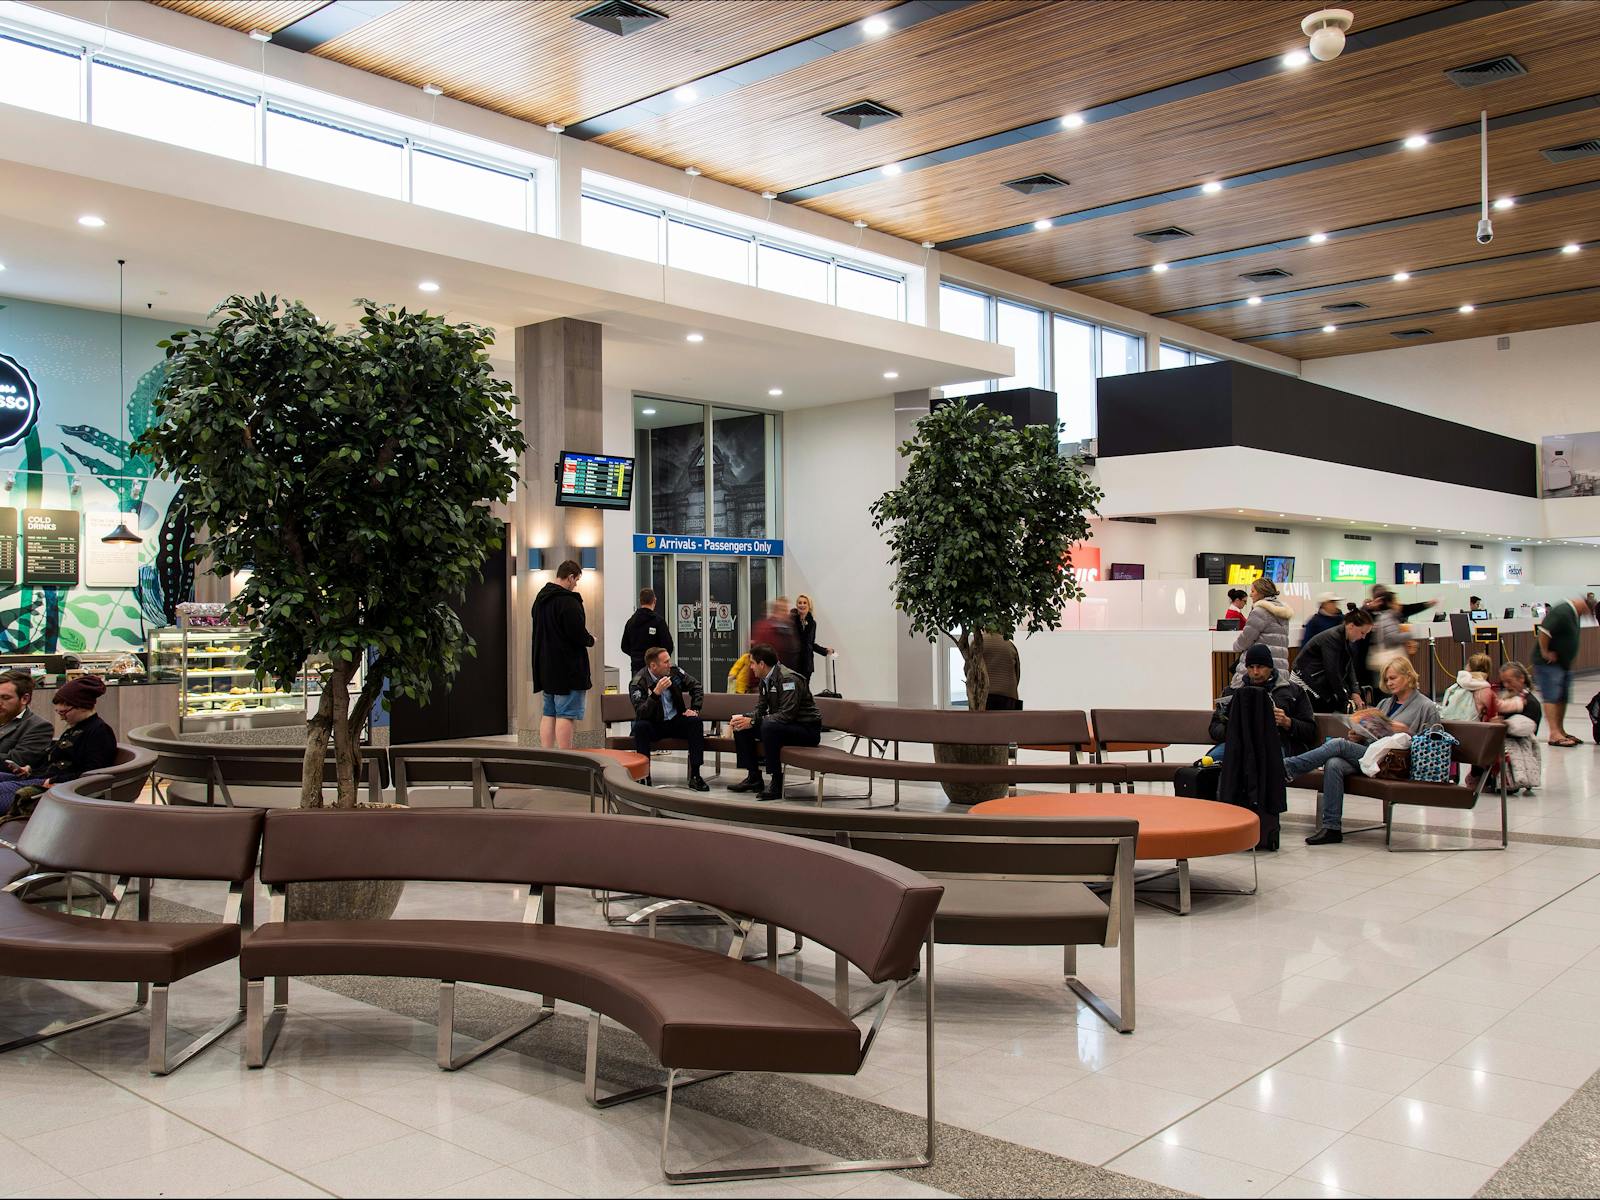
696	784
750	783
1325	837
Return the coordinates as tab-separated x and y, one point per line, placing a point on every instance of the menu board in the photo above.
51	538
8	546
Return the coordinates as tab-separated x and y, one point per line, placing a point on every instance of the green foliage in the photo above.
350	473
980	529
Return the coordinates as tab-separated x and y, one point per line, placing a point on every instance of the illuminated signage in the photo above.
19	402
1346	570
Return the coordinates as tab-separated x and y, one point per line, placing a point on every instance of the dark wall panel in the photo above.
1235	404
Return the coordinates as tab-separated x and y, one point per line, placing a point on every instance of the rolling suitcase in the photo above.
831	692
1197	782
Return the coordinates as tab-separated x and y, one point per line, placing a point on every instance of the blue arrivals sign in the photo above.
685	543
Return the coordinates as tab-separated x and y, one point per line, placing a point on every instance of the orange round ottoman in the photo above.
1170	827
638	765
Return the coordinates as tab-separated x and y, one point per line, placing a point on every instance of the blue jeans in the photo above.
1339	758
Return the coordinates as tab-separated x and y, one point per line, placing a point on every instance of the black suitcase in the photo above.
1593	708
1197	782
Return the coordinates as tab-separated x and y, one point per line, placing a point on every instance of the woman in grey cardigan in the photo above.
1268	624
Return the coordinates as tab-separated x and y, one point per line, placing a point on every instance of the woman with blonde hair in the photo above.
1268	624
804	616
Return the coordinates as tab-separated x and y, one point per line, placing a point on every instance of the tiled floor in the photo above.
1368	1024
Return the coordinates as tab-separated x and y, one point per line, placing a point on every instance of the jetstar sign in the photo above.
19	402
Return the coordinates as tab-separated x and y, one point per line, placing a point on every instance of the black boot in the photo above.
1268	842
774	790
750	783
1325	837
696	784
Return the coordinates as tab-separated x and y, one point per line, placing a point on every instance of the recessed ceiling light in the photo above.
1072	120
1211	187
1238	510
1296	58
90	221
692	172
1401	276
1041	225
1466	308
1280	516
875	26
1330	329
774	391
427	285
1253	300
859	224
1160	268
694	337
891	374
647	412
1415	142
1316	239
685	95
1570	248
891	168
1505	202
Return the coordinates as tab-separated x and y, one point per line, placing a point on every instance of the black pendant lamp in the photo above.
121	533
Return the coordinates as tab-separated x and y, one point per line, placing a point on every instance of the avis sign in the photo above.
19	402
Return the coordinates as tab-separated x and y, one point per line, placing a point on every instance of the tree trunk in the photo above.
344	738
977	675
316	752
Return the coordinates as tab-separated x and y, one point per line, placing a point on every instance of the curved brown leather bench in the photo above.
1008	881
949	726
123	780
1119	729
218	767
694	1009
70	834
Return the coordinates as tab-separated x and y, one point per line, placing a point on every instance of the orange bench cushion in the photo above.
638	765
1169	826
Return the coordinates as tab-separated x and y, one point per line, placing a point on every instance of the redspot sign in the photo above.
1085	562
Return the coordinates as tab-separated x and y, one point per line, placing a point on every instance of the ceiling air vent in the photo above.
1032	185
1271	529
1156	236
1407	335
1266	275
863	114
1489	71
1135	520
1344	306
1573	150
620	17
1358	537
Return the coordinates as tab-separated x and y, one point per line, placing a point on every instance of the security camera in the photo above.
1326	29
1485	232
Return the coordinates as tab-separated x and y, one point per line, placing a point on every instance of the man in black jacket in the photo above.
1326	664
644	631
666	704
1296	723
561	641
785	715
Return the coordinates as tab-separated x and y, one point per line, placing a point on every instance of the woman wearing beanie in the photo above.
86	745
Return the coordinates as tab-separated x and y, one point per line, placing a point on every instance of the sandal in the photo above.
1571	741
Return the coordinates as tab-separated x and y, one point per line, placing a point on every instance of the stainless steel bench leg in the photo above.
261	1028
57	1028
446	1058
591	1075
163	1063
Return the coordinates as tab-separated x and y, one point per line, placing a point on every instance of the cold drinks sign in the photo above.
19	402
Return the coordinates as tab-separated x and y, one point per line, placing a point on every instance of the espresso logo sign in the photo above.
19	402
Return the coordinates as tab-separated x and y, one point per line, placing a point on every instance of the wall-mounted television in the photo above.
594	481
1408	573
1280	568
1127	570
1474	573
1430	572
1238	569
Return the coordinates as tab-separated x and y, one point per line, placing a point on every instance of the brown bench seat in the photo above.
39	943
829	760
691	1007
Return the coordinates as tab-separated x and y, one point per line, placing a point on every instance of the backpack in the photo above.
1459	704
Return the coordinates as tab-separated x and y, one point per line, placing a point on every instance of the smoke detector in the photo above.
1326	29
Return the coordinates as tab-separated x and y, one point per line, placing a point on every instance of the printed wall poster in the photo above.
108	564
1569	465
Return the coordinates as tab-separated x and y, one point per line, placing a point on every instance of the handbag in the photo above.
1432	752
1395	764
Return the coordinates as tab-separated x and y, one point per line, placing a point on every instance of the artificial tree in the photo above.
351	475
980	530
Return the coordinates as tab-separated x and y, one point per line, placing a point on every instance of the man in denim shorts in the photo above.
561	641
1552	669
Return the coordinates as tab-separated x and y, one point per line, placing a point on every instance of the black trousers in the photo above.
1002	704
772	736
686	729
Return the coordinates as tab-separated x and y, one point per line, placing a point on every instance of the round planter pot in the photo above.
988	756
343	900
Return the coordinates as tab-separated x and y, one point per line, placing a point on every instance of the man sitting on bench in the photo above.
666	704
786	715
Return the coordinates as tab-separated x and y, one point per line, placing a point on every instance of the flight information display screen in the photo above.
594	481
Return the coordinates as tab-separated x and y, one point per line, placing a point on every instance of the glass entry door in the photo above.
707	603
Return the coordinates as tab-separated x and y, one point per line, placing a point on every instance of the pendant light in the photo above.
121	534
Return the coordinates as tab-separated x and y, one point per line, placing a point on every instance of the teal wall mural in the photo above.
76	458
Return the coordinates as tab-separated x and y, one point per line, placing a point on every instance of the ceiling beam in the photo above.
1482	306
331	21
1176	93
1304	166
765	66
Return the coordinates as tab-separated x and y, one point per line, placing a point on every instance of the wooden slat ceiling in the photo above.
992	66
1449	327
245	15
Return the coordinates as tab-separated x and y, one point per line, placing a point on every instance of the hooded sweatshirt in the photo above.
1269	625
561	642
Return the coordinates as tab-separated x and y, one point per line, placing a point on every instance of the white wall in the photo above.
1112	669
1545	383
618	576
836	461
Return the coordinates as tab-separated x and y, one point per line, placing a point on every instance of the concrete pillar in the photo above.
558	382
915	679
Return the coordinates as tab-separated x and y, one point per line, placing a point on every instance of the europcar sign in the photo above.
19	402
